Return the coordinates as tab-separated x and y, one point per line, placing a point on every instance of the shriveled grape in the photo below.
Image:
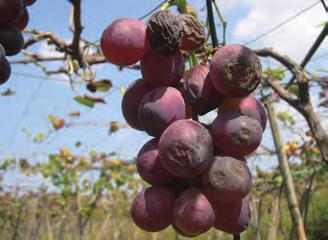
227	179
185	148
193	36
235	70
236	135
164	31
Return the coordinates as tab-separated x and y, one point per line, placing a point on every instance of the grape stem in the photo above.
223	21
236	237
211	22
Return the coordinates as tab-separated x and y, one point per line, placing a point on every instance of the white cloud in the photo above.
294	38
46	50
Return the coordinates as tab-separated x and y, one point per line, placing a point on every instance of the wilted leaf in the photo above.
75	114
324	103
89	101
56	123
290	147
95	99
100	85
64	152
114	126
86	102
78	144
7	93
24	165
116	162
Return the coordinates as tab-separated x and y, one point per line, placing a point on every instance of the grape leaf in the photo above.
86	102
100	85
275	73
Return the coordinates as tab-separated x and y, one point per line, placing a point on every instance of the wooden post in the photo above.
286	174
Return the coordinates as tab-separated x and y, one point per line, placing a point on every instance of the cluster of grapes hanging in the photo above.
198	173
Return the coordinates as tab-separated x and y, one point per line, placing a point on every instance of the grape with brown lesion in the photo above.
236	135
227	180
186	148
235	70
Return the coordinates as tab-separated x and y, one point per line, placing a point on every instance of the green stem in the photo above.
223	21
182	5
193	58
193	61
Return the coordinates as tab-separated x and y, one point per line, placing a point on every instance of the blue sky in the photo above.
36	98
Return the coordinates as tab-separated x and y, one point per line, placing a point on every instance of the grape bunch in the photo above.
14	18
198	174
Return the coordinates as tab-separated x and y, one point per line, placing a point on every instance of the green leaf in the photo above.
84	101
96	187
275	73
122	90
165	6
109	186
86	181
181	4
285	117
6	163
27	133
93	154
294	89
38	138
